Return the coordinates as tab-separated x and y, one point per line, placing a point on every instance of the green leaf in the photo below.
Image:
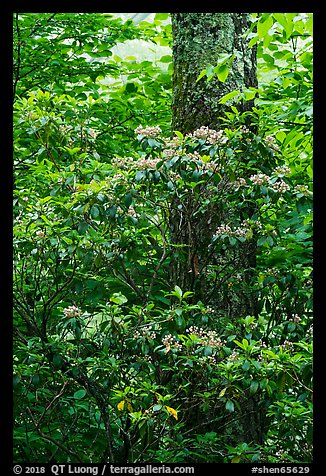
201	75
210	72
95	212
178	291
80	394
254	386
249	94
229	96
264	25
165	59
222	73
131	88
118	298
161	16
35	380
179	134
57	360
253	41
128	200
262	240
246	365
139	175
229	406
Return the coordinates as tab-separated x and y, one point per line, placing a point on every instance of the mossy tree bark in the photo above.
199	39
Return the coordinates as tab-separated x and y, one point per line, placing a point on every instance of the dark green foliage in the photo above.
114	361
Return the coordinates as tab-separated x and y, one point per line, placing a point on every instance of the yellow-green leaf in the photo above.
121	405
129	406
172	411
222	392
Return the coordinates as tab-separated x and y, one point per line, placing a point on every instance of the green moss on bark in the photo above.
199	39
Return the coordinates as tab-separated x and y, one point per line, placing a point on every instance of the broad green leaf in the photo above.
80	394
210	71
229	96
253	41
264	26
57	360
222	73
229	406
165	59
161	16
118	298
201	75
178	291
254	386
179	135
95	212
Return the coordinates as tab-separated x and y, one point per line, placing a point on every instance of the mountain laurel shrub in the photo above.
115	362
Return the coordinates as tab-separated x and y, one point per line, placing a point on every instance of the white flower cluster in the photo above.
296	319
259	179
209	310
282	170
310	331
206	338
212	166
287	345
212	340
300	188
253	223
72	311
280	453
241	182
169	341
244	129
92	133
169	153
198	331
234	356
262	344
281	186
207	359
270	141
149	131
40	234
132	212
239	231
195	155
209	135
146	331
122	162
173	147
147	163
129	162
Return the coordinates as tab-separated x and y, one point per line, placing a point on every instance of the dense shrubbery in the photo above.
114	359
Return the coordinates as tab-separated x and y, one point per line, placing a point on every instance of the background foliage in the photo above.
112	361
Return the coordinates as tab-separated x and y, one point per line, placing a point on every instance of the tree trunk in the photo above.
199	39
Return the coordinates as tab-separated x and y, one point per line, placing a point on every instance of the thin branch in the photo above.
50	404
52	440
